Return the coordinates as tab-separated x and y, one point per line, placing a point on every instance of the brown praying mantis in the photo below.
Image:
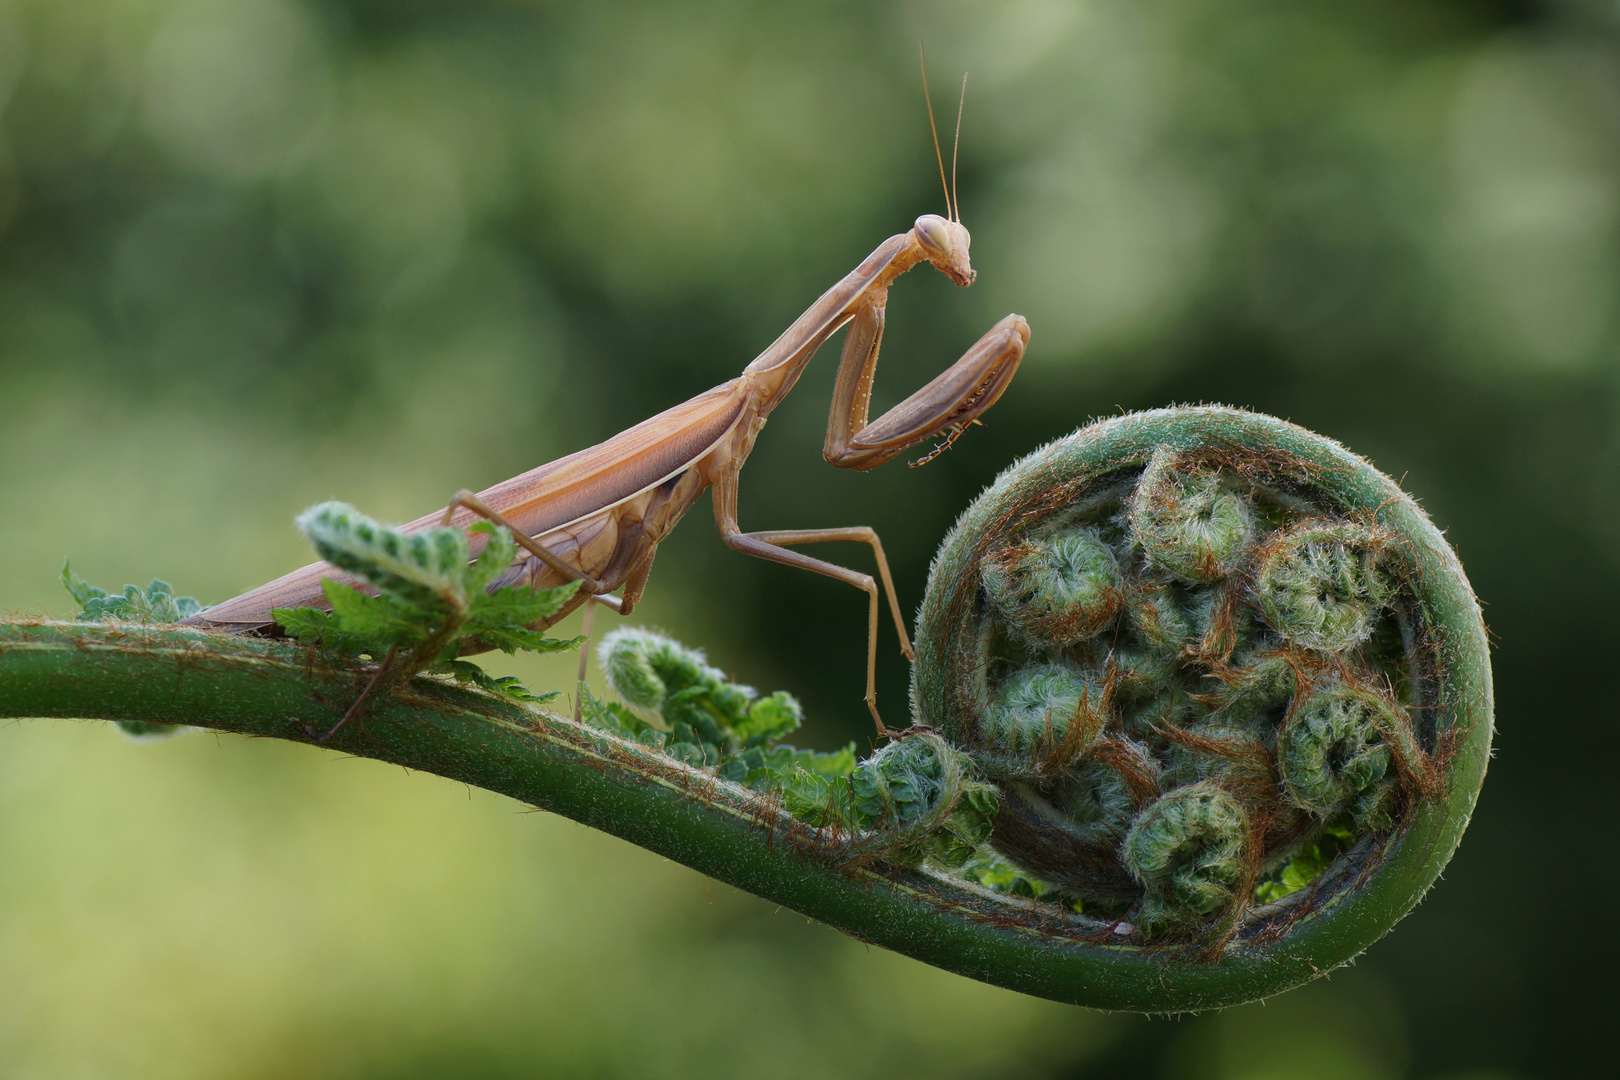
598	516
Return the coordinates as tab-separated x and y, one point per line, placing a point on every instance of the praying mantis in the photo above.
596	517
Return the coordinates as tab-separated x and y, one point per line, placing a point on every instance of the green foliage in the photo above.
912	801
682	706
154	604
1306	865
431	598
994	872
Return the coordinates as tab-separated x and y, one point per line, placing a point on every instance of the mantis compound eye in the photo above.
934	233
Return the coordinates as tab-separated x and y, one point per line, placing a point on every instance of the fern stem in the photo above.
274	689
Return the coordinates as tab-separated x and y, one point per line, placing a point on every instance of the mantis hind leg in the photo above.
591	593
467	499
632	593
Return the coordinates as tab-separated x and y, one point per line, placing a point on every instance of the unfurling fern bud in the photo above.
1318	585
1188	850
674	688
1334	753
645	668
1044	713
915	800
1168	772
1189	518
1055	589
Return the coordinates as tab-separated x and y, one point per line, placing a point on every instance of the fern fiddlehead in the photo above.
1288	648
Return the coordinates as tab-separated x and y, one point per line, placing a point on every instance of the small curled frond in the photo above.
1189	851
1190	519
1055	589
683	706
916	801
1318	585
154	604
645	668
1334	753
1044	713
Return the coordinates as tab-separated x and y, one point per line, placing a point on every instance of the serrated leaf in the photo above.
498	555
518	605
506	686
316	628
382	620
81	590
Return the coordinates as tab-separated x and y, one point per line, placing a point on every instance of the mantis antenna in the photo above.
937	155
960	101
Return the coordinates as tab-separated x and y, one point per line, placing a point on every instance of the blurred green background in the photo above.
257	253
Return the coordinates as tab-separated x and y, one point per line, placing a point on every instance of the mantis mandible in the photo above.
598	516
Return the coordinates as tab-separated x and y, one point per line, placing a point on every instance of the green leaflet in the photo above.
432	597
1306	865
154	604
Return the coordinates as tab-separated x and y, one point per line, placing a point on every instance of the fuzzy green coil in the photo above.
1232	687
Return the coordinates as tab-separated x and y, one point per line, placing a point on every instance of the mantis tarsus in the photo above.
597	516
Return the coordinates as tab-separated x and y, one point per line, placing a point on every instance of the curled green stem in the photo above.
1189	519
1189	850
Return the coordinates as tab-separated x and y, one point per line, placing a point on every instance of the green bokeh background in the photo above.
258	253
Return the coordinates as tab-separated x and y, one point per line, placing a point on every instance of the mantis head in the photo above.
946	245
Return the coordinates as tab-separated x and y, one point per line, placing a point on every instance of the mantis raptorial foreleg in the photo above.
953	398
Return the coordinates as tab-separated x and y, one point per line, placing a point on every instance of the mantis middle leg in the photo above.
956	397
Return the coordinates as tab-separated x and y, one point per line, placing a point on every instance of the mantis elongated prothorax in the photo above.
597	516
